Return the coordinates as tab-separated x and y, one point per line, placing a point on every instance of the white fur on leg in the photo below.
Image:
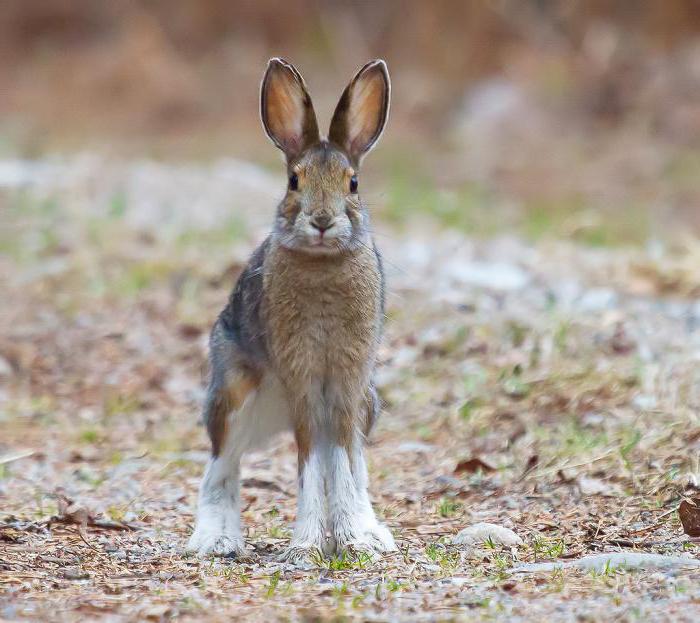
376	532
352	519
218	529
310	527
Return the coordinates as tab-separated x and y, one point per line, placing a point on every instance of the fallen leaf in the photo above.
620	342
259	483
470	466
68	512
565	478
190	331
689	512
10	535
74	573
532	462
72	513
89	454
693	436
157	612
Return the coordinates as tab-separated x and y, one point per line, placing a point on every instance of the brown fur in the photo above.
323	318
238	386
302	436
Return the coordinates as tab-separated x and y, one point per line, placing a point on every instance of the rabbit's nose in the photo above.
322	222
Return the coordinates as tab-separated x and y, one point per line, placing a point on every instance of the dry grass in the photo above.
577	393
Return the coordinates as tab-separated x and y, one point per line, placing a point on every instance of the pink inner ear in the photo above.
285	110
365	110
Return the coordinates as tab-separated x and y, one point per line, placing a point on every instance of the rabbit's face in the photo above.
321	212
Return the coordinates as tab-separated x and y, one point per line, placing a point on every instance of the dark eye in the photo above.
293	181
353	184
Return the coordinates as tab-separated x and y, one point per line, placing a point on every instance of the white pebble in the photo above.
479	533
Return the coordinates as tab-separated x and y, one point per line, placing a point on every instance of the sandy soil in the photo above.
550	389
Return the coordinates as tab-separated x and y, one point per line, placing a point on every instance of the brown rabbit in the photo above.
295	347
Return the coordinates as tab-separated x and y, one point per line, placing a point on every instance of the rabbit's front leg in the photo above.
310	526
352	520
218	525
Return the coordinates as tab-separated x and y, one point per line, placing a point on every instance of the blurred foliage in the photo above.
572	118
163	66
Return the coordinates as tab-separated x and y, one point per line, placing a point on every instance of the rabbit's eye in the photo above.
353	184
293	182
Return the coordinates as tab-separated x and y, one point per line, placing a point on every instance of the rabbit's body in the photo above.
295	349
324	319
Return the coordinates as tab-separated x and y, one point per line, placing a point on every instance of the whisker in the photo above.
385	261
382	234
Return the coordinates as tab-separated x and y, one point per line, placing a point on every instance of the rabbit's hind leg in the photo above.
241	414
218	529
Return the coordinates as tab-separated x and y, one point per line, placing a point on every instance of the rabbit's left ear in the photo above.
361	114
286	110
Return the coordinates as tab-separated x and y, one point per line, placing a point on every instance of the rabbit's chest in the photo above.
323	321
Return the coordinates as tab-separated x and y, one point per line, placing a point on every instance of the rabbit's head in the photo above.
321	212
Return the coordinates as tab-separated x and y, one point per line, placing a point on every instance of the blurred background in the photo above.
536	198
580	119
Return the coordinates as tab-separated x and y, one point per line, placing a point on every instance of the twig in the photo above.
22	454
81	532
565	465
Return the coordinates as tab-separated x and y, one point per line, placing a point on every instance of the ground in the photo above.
546	387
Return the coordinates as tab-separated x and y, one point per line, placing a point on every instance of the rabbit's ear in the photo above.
361	114
286	109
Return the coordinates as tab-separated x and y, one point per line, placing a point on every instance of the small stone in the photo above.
5	367
74	573
597	299
479	533
595	486
415	446
498	276
612	560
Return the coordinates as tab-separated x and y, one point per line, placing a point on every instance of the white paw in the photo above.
373	537
213	543
302	554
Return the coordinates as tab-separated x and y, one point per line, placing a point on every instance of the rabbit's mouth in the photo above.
321	244
323	241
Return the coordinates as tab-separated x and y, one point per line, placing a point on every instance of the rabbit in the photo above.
295	347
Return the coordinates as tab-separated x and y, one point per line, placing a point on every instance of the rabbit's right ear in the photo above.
286	110
361	114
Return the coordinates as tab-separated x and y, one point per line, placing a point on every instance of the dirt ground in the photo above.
548	388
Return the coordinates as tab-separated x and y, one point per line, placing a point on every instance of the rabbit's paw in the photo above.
213	543
373	538
302	554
